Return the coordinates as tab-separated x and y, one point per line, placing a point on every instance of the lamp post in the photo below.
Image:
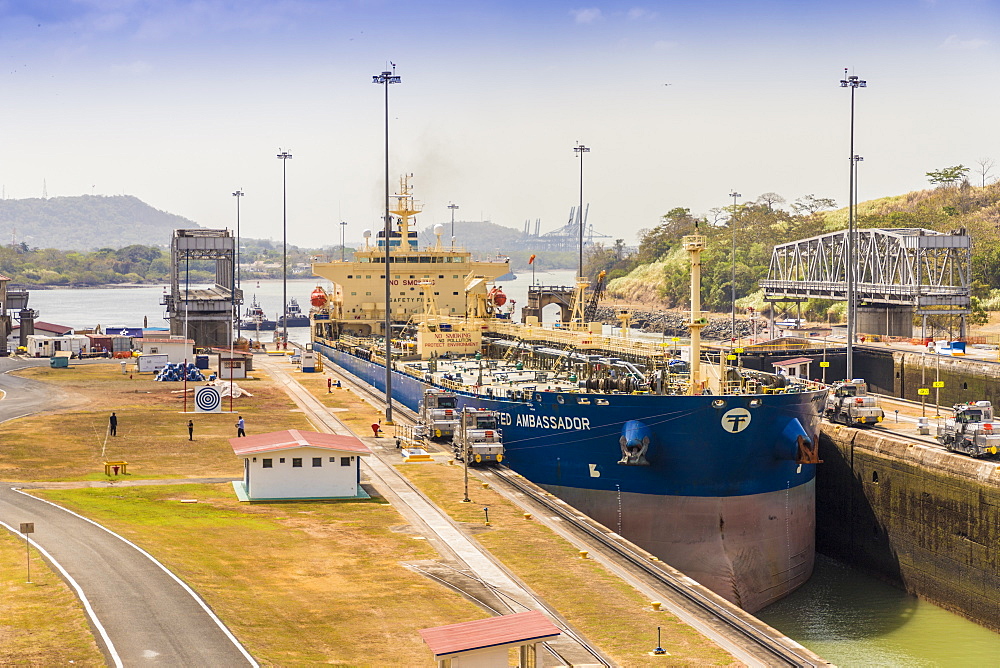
284	156
855	159
580	149
852	82
343	229
238	194
452	207
384	79
732	221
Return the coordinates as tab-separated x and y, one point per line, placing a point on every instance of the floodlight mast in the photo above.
852	82
384	79
284	156
580	149
732	222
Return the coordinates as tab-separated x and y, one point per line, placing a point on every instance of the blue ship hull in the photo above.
710	484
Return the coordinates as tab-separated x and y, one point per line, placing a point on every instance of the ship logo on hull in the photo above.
736	420
634	443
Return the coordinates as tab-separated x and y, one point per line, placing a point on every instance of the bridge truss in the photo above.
907	267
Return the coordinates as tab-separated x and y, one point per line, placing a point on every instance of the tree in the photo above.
948	176
985	165
808	205
770	199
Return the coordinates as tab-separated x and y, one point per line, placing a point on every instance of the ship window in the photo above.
439	276
719	403
455	293
368	294
602	402
367	276
396	276
583	400
425	259
455	276
382	276
561	399
403	293
412	276
754	403
349	276
437	293
355	294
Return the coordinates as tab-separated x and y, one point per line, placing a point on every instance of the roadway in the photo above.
142	614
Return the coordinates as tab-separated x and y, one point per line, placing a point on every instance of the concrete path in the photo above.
142	614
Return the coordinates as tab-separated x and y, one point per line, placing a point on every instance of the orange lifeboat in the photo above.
318	298
498	297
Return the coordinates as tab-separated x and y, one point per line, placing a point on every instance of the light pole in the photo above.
732	221
855	159
852	82
580	149
238	194
343	228
284	156
452	207
384	79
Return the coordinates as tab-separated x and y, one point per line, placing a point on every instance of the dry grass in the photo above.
298	583
606	610
152	429
42	623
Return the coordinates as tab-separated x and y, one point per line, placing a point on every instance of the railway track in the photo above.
760	644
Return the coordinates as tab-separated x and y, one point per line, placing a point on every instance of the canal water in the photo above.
841	614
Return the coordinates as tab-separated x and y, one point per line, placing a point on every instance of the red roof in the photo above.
492	632
46	327
293	438
797	360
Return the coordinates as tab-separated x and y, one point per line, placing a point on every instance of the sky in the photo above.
180	103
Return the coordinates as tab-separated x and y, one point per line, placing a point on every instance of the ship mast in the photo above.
694	244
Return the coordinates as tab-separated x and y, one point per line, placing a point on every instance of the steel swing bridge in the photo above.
903	269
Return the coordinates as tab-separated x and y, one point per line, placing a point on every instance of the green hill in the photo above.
658	272
87	222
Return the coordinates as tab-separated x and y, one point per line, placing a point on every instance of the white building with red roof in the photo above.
484	643
294	464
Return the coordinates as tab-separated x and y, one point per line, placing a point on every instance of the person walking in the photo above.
190	430
113	424
241	427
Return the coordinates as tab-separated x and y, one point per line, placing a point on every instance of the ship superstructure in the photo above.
356	304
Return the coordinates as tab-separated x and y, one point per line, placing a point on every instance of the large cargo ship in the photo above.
709	466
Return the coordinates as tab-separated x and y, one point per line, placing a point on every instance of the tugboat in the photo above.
295	316
254	320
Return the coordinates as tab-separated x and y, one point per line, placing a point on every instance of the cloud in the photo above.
954	43
135	67
586	15
640	13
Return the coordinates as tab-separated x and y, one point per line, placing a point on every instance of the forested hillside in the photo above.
86	222
658	272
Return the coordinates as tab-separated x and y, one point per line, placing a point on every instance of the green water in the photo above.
852	620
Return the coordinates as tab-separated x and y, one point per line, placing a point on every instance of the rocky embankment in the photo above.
674	323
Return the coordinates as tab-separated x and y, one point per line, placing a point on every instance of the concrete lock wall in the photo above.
886	320
918	515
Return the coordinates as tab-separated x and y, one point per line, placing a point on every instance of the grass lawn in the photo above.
42	623
298	583
152	429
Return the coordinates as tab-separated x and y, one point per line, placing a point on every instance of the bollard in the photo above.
486	485
583	554
527	516
451	462
656	605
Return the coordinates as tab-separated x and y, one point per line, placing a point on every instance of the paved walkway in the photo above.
430	521
143	614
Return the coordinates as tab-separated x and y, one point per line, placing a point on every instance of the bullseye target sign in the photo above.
207	399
